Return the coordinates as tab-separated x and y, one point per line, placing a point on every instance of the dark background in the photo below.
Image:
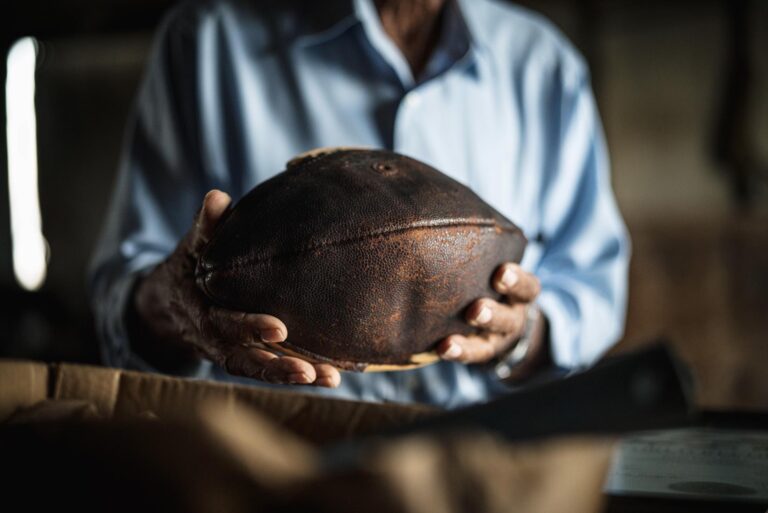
683	92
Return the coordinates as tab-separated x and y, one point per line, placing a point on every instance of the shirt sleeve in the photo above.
159	187
584	265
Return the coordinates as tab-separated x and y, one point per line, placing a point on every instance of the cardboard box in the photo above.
120	394
96	439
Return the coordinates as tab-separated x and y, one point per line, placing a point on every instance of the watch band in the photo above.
506	362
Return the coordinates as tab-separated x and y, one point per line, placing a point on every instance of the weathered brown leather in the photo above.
367	256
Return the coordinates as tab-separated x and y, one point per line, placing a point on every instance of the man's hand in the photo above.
176	318
503	323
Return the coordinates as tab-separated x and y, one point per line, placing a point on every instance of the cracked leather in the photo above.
367	256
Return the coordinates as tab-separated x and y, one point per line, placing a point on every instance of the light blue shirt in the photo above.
233	90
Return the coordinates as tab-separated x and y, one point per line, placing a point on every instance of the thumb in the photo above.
215	204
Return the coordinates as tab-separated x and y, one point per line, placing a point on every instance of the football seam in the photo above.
440	223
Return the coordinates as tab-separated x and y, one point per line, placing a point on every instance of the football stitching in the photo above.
440	223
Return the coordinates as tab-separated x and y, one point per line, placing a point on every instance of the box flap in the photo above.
97	385
128	394
22	384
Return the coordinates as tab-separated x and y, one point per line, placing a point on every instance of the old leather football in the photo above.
369	257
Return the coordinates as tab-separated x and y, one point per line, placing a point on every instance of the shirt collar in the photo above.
457	43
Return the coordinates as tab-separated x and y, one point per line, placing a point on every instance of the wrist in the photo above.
151	329
530	353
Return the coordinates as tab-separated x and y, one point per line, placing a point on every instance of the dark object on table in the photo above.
369	257
645	389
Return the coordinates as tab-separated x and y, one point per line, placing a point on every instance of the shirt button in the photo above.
412	100
128	249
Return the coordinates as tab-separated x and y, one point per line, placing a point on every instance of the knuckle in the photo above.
229	325
467	356
238	363
206	327
231	363
503	316
473	350
268	376
484	353
274	372
515	324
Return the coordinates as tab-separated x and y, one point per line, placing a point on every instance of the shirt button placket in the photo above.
404	119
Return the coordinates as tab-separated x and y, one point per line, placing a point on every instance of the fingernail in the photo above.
509	278
453	351
205	200
484	315
271	335
298	378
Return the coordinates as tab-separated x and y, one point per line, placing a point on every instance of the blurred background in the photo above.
682	88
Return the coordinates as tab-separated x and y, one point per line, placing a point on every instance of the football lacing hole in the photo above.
384	169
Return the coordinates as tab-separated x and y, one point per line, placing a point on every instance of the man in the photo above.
486	92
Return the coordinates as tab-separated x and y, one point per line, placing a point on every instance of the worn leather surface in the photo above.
367	256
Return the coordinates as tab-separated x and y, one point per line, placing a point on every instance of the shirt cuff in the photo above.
563	329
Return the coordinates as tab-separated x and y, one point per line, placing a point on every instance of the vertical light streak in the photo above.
29	245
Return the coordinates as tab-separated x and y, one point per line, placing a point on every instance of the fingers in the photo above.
472	349
497	317
263	365
231	335
512	281
246	327
327	375
247	361
238	329
215	203
289	370
295	371
257	363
